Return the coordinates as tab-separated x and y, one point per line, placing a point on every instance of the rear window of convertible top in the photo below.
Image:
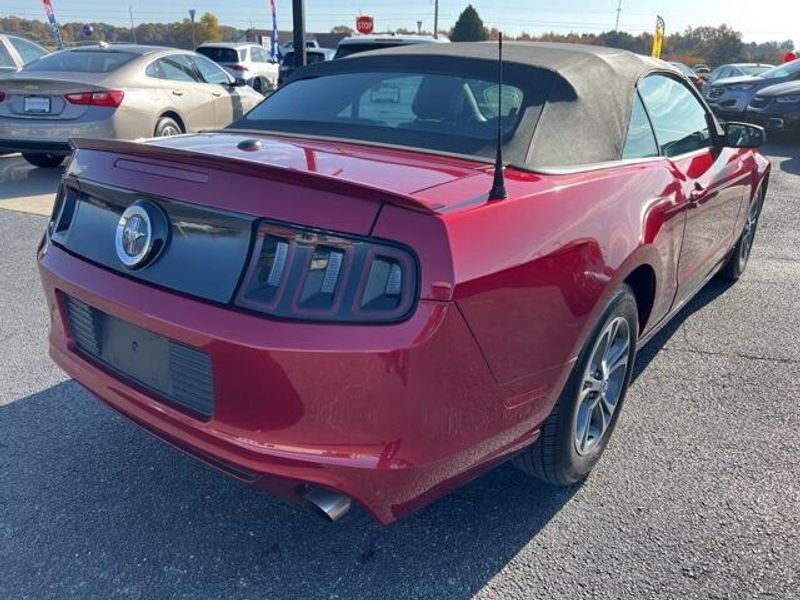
446	113
82	61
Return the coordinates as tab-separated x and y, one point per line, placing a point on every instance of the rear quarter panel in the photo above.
533	272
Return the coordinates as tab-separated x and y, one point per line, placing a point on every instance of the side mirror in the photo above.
744	135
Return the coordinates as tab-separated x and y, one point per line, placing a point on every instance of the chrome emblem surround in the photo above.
136	236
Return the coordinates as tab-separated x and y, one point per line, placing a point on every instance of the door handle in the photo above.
696	195
177	93
216	94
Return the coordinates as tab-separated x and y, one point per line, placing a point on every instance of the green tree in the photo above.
469	27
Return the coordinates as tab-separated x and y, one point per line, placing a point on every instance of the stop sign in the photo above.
364	24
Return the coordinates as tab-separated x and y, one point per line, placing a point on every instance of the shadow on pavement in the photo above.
712	290
18	179
92	507
785	152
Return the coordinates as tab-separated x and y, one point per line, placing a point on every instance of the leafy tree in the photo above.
342	29
469	27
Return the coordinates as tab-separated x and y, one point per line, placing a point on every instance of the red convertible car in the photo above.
340	298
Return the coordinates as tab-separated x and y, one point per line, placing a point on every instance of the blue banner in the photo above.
275	49
51	17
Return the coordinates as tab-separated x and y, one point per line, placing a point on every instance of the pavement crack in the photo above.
744	355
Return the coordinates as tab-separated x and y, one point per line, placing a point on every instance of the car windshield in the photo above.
447	113
782	71
82	61
311	57
756	69
220	55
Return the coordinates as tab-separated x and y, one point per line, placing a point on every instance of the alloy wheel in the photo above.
603	384
749	233
169	130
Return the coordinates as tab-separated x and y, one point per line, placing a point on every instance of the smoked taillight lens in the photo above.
109	98
312	275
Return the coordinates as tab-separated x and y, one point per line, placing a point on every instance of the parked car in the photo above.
311	44
735	70
729	98
114	92
343	300
363	43
313	55
16	52
702	70
777	107
687	71
246	61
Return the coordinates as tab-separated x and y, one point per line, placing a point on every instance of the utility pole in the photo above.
192	13
133	27
619	10
299	27
436	19
419	27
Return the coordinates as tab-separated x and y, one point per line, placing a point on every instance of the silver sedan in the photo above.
114	92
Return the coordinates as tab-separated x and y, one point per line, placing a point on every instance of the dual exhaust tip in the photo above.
330	505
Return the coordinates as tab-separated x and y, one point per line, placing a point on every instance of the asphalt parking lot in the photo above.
698	495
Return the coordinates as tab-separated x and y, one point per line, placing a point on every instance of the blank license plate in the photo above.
36	105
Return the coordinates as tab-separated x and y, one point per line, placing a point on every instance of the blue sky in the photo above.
758	20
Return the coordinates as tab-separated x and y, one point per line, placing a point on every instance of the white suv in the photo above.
246	61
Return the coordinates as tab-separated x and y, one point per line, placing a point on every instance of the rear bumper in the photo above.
29	135
34	146
392	416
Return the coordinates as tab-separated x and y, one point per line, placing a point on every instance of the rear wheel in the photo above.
737	262
167	126
43	159
575	434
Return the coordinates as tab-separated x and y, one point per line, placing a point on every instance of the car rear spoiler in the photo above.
254	169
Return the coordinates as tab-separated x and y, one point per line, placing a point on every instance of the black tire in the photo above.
258	84
555	457
737	261
44	160
167	126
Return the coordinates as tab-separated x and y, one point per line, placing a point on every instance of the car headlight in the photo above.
741	87
298	273
791	99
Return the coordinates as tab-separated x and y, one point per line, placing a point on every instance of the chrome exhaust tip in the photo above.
330	505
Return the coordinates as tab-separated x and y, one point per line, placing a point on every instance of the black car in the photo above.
777	107
313	55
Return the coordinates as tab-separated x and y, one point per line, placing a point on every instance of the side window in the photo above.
28	52
177	67
210	71
640	142
154	70
258	54
679	119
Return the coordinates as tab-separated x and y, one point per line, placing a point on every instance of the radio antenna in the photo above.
498	191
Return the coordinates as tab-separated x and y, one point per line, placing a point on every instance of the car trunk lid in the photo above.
43	96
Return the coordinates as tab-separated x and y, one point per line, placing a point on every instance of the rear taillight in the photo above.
110	98
240	68
303	274
2	96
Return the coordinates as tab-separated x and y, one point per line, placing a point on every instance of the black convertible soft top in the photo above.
583	117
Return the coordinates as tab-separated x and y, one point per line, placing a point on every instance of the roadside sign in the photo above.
365	24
